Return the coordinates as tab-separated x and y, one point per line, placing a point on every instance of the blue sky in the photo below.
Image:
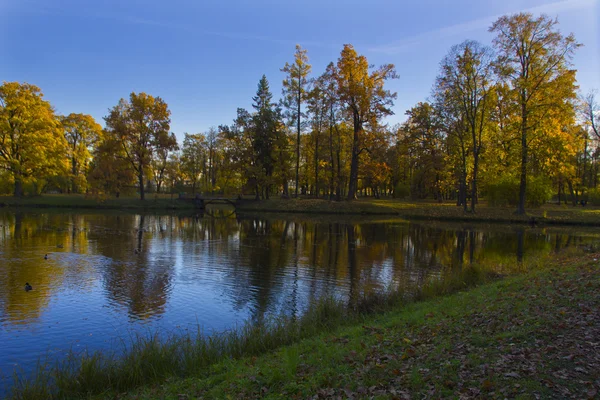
204	58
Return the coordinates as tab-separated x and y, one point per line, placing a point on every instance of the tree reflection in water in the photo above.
127	270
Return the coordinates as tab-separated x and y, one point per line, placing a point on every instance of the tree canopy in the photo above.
504	123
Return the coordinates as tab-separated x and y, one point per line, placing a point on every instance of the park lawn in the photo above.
548	214
419	210
534	335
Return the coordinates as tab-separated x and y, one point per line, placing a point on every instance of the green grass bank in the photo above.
447	211
550	214
527	335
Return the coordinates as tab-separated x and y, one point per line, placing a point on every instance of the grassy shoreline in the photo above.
550	214
532	335
307	357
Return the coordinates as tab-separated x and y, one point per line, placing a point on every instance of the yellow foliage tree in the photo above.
32	145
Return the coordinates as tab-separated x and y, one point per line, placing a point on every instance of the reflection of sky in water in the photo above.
95	291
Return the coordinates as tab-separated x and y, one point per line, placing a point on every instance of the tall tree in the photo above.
465	85
365	99
426	150
31	142
590	111
318	108
295	93
534	59
141	126
212	143
193	155
109	170
83	133
265	132
165	146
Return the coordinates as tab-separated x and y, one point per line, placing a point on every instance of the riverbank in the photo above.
448	211
77	201
549	214
522	336
529	336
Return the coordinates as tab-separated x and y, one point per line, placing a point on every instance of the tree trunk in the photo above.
353	183
317	166
141	183
474	183
298	137
74	174
338	189
332	177
523	185
18	186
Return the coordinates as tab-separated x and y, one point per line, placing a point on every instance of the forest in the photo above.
506	123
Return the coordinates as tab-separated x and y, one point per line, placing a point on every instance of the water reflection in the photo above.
110	273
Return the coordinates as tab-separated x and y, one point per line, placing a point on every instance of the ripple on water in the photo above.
97	292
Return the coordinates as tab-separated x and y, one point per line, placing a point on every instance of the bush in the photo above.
593	197
505	191
7	185
538	191
401	191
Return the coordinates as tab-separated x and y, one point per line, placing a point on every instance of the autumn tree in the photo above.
213	143
31	142
534	60
109	171
423	134
141	126
295	93
165	146
365	99
318	109
464	93
590	111
238	159
193	156
82	133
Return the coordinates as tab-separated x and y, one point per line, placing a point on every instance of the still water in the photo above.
110	276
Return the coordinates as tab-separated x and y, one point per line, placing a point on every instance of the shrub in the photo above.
538	192
593	197
401	191
505	191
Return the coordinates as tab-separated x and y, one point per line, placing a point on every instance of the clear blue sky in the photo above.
204	58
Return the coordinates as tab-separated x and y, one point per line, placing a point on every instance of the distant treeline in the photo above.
505	122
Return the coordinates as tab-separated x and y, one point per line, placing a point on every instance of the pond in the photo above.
100	278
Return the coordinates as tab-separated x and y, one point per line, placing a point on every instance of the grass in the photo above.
429	210
152	360
420	210
532	335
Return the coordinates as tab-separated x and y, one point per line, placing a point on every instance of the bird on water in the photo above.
28	287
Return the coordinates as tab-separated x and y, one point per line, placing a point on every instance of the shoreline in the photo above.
526	335
463	336
549	214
